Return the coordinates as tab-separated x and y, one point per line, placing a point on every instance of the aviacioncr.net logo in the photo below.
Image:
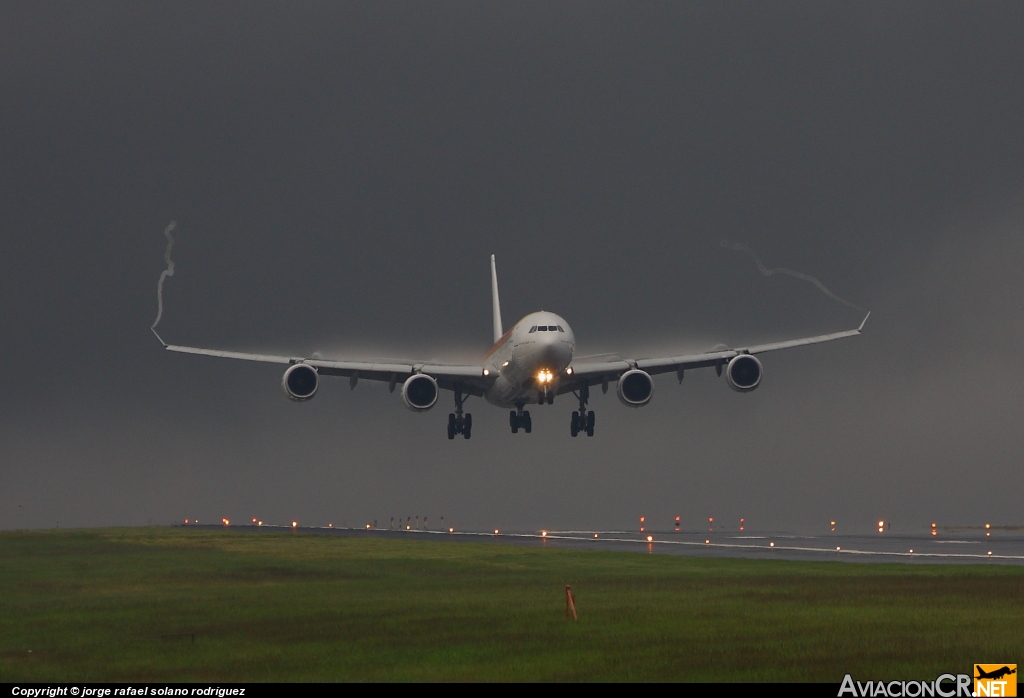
945	686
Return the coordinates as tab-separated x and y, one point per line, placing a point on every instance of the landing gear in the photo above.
583	420
459	423
518	419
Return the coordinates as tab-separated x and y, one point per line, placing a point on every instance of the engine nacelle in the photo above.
419	392
635	388
743	373
300	382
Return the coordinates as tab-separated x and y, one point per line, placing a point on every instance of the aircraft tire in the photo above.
590	423
469	422
528	426
575	428
513	422
451	431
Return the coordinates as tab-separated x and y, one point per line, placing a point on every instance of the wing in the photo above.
469	378
592	373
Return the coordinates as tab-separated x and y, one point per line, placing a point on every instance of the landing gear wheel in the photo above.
575	428
551	398
527	422
451	427
590	423
467	426
513	421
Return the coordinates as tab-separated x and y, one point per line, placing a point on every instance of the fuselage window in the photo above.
532	329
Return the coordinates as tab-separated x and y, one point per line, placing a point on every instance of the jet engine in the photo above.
300	382
635	388
419	392
743	373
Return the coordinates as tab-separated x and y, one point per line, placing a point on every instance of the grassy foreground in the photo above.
122	605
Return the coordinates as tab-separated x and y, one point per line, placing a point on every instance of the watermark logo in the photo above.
995	680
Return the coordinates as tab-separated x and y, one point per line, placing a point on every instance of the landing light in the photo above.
650	539
486	372
568	371
451	530
295	524
543	534
544	376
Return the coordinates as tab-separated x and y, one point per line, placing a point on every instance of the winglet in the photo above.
153	329
863	321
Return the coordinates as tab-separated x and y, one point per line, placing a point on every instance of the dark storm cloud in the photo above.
339	174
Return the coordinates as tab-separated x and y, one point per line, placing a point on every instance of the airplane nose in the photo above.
555	354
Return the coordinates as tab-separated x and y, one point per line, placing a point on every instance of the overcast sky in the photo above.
340	172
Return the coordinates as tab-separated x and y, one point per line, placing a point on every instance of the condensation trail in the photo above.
169	271
740	247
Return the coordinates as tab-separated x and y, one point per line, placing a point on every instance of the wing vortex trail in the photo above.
169	271
771	271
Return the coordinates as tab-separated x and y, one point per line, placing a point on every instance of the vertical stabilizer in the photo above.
494	302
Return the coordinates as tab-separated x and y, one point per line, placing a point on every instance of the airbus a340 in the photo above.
529	364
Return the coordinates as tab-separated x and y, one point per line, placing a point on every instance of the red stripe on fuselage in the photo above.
500	341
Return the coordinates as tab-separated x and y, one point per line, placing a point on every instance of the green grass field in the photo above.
123	605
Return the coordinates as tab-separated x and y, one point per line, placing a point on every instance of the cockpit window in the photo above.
542	328
532	329
560	329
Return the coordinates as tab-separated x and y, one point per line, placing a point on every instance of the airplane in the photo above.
995	674
529	364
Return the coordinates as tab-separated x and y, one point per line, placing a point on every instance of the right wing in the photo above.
469	378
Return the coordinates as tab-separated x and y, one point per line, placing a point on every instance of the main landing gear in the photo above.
518	419
459	423
583	420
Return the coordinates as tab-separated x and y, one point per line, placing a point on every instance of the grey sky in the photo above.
339	174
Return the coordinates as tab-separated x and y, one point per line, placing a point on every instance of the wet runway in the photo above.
959	547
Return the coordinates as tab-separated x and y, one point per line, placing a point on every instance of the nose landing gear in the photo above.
459	423
518	419
582	420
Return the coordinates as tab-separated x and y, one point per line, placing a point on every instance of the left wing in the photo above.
469	378
592	373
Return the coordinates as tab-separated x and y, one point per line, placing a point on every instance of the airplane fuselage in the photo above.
530	360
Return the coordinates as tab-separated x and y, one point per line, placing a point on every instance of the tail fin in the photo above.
494	302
